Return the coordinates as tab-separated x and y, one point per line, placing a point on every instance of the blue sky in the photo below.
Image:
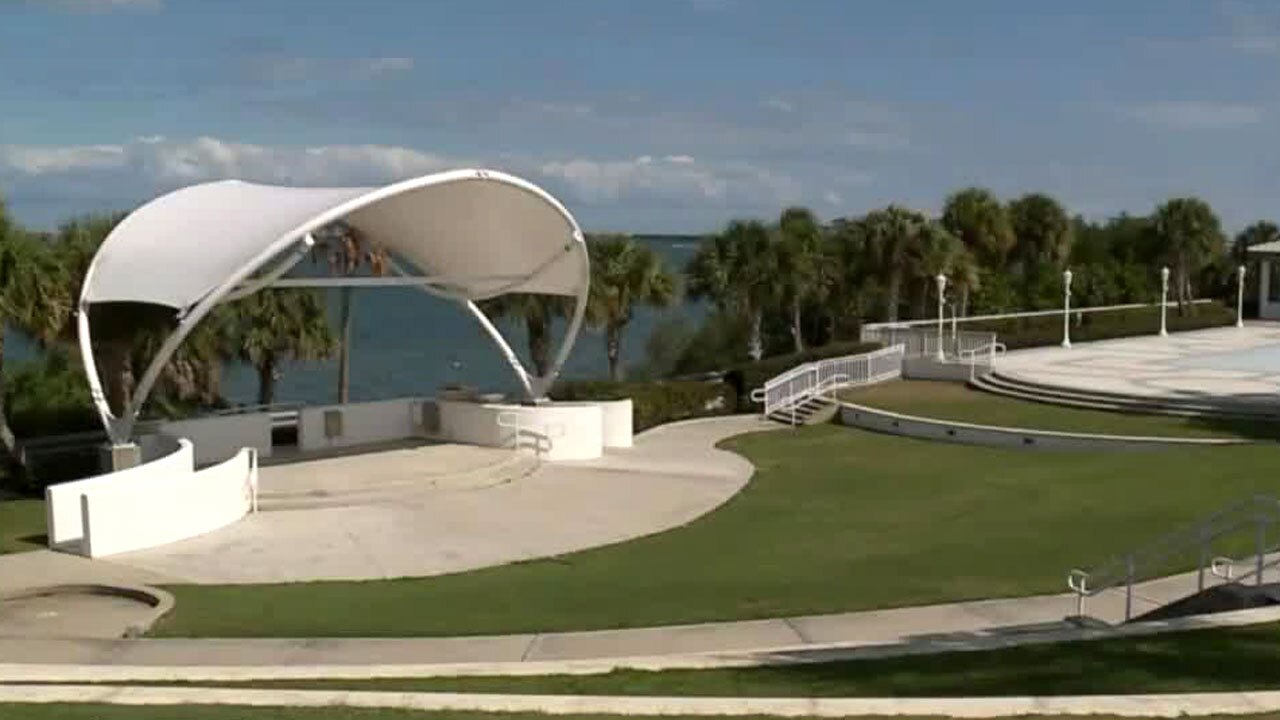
654	116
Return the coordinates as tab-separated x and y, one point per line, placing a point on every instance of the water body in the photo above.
406	342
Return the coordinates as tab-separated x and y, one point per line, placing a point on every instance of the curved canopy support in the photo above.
474	234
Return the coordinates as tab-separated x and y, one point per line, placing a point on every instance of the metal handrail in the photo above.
798	384
1127	569
1029	313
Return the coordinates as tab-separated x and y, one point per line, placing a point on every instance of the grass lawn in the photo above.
955	401
1219	660
835	519
21	525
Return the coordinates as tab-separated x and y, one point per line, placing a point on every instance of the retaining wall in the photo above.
893	423
143	511
63	520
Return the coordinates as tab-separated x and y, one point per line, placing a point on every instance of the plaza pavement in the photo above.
1217	362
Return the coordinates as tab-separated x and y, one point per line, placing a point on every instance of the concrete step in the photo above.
814	411
507	467
1073	397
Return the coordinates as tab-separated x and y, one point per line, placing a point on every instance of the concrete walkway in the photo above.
1165	705
673	474
976	625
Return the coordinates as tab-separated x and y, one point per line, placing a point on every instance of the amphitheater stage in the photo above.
1219	363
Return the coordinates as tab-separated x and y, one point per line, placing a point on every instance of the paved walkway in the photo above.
673	475
1197	704
958	626
1243	363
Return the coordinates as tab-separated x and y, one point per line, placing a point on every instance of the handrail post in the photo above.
1204	554
1262	547
1128	587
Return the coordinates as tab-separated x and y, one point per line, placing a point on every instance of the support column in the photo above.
114	457
1264	288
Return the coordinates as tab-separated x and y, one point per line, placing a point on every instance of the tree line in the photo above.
773	287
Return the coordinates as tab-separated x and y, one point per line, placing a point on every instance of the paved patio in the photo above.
673	475
1243	363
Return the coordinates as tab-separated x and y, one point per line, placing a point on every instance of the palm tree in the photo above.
273	326
33	300
850	278
1045	236
538	312
348	251
1189	234
934	253
980	220
624	274
737	270
1263	231
892	234
800	263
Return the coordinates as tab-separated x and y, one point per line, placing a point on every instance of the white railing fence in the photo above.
800	383
952	321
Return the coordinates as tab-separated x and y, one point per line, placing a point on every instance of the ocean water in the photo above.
406	342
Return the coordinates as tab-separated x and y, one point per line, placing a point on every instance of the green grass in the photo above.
955	401
1221	660
21	525
835	520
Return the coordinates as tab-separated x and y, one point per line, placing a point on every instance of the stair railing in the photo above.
787	391
991	350
1127	570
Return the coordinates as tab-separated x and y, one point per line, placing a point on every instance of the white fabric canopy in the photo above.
474	232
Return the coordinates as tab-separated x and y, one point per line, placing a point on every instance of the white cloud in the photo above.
779	104
876	140
155	160
1195	115
677	177
382	65
831	197
293	69
105	5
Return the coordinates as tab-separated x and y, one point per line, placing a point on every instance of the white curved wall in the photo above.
145	511
62	501
555	431
362	423
220	437
617	428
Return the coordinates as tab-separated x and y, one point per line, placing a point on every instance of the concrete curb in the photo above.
761	657
160	601
972	707
915	426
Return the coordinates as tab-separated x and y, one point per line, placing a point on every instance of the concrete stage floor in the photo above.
1239	363
673	475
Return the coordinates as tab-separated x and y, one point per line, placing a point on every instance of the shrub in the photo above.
654	403
1047	329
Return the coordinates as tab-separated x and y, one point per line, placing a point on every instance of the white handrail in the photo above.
932	322
795	386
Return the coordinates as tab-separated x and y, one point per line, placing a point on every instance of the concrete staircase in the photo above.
1188	406
813	411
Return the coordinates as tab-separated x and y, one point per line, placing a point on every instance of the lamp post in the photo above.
1164	301
942	288
1066	309
1240	296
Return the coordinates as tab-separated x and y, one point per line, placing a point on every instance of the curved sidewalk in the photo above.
980	625
1169	705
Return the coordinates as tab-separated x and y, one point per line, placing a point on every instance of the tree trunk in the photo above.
267	380
891	298
13	458
613	348
964	301
116	376
539	331
796	333
755	343
344	352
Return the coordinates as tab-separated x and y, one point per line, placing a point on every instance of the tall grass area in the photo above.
834	520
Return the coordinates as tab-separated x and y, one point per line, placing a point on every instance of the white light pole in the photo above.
1066	309
1240	296
942	288
1164	301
